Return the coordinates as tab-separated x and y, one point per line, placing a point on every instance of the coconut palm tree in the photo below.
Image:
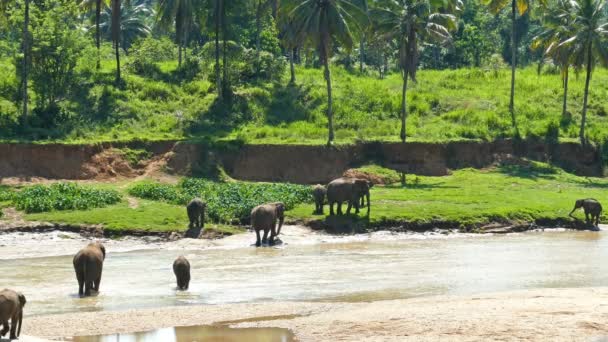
587	42
125	24
182	14
558	25
411	23
323	22
98	5
290	39
521	7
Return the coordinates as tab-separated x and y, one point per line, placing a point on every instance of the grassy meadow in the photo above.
466	198
444	105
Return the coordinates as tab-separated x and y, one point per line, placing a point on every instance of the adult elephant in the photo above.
347	190
11	307
88	264
264	218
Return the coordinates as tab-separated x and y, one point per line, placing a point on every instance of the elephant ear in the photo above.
103	250
280	209
362	183
22	300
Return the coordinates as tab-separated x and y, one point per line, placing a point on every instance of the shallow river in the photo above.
308	266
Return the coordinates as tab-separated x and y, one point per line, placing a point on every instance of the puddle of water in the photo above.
198	333
308	267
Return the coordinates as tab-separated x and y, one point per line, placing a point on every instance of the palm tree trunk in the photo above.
218	80
275	7
513	64
225	81
291	67
26	47
584	118
565	104
361	55
179	55
116	35
98	31
403	105
258	32
330	114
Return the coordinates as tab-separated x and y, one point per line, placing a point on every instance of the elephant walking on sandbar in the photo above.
348	190
11	307
88	265
264	218
592	208
181	269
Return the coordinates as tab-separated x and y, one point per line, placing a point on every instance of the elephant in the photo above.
88	264
318	192
591	207
347	190
196	213
181	269
363	195
264	217
11	307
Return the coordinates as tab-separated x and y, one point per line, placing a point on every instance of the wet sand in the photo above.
539	315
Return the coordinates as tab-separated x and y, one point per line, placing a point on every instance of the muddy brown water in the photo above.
307	267
198	333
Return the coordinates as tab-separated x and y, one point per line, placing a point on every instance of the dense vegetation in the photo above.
63	196
171	69
226	202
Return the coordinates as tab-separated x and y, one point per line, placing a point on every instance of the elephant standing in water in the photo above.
591	207
11	307
88	264
196	214
264	217
318	193
347	190
181	269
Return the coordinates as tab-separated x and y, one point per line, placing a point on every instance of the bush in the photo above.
63	196
146	52
226	202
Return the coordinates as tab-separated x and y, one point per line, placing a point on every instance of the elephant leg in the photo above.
258	241
265	238
97	282
339	208
273	234
586	216
4	328
331	208
14	322
87	288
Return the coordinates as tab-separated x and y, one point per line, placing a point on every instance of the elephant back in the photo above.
263	215
340	190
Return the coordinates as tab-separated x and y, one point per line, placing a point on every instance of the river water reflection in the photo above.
308	266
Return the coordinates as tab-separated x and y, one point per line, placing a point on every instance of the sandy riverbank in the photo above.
539	315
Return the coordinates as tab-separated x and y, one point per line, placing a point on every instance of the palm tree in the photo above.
98	5
289	38
521	7
181	13
587	42
125	24
322	22
217	18
559	24
411	23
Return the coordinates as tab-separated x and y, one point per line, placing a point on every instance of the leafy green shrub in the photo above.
146	52
226	202
6	194
63	196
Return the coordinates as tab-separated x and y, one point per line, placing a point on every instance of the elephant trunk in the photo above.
572	211
281	218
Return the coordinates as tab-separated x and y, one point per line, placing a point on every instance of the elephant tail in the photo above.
20	322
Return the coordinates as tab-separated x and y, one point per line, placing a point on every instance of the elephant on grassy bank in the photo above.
181	269
347	190
196	213
11	307
264	218
88	265
318	193
592	208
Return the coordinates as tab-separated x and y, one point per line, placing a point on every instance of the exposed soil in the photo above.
530	315
354	173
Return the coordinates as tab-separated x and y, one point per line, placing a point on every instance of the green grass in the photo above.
443	106
475	197
148	216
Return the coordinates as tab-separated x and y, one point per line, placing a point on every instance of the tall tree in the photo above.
588	43
116	8
558	23
180	13
217	23
26	57
521	7
98	5
411	23
324	22
289	38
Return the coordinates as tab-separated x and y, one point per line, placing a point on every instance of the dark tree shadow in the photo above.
532	171
289	103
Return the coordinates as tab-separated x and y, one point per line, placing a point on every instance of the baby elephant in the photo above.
318	192
196	213
591	207
181	268
11	307
88	264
